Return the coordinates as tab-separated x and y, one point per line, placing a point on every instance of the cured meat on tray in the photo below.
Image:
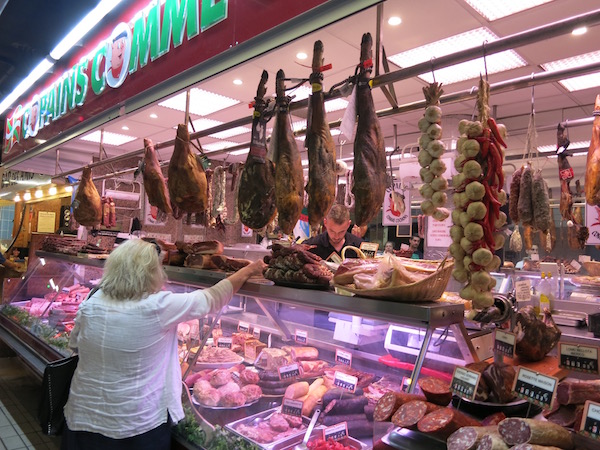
296	264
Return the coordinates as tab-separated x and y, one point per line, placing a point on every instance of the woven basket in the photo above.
426	290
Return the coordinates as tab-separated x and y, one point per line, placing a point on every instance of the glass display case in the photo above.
381	340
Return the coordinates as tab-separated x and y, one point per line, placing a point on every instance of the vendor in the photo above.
336	235
414	243
526	262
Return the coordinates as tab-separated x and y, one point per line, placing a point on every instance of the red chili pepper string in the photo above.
494	128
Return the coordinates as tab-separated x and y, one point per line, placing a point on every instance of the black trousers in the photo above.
157	439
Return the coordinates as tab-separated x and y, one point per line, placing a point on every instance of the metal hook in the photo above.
432	68
485	60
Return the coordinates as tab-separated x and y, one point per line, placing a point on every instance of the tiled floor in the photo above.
19	394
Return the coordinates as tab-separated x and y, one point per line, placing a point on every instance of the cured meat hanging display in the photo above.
256	192
321	148
289	177
369	150
431	148
592	169
478	197
187	179
155	184
87	206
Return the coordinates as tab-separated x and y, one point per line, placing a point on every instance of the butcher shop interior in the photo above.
454	150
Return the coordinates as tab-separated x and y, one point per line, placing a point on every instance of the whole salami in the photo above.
522	431
467	438
492	441
443	422
513	199
409	414
525	203
389	403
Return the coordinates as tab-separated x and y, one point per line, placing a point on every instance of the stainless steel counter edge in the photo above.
432	313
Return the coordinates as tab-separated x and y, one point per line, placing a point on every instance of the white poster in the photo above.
592	219
438	233
396	213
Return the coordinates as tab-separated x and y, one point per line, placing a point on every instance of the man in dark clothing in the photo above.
336	236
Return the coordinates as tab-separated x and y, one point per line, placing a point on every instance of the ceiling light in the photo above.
202	124
335	104
202	103
497	62
299	125
52	190
239	152
579	31
125	128
301	55
394	21
237	82
496	10
230	132
572	145
213	146
17	198
305	162
109	138
38	193
83	27
27	82
68	188
581	82
27	196
153	116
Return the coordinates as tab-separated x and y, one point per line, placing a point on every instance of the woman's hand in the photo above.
256	268
241	276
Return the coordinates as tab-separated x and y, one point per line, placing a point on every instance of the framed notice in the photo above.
404	230
46	220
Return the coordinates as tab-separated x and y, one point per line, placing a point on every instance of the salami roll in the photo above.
436	390
275	384
333	419
273	391
530	431
409	414
346	406
369	410
513	199
340	394
492	441
533	447
268	375
389	403
467	438
443	422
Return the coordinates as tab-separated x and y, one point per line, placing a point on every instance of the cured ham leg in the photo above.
369	149
321	149
256	192
289	178
592	172
87	206
155	184
187	180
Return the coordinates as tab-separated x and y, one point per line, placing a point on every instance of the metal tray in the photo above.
271	445
405	439
317	433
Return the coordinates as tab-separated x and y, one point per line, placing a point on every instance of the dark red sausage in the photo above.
436	390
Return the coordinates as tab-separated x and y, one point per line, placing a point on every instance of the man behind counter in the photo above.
336	236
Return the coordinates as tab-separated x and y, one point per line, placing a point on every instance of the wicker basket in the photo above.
592	268
426	290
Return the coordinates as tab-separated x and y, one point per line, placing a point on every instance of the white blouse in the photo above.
128	375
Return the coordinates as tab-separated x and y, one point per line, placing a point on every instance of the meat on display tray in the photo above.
245	405
405	439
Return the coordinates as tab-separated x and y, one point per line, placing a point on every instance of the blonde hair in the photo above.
133	271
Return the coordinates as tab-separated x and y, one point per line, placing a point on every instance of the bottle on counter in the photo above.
546	295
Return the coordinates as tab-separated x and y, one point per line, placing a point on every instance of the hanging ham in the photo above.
256	192
369	149
87	206
321	149
187	180
289	178
155	184
592	171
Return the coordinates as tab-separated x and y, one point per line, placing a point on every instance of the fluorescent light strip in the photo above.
239	152
109	138
572	145
580	82
202	103
230	132
24	85
83	27
214	146
497	62
493	10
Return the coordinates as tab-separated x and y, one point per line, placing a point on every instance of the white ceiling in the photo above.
422	23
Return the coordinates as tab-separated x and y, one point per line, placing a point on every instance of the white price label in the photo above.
590	424
224	342
336	432
464	382
287	372
301	336
292	407
581	358
535	387
504	342
584	258
343	357
535	257
243	327
345	381
523	290
575	265
256	333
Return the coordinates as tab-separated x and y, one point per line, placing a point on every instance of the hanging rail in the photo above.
515	40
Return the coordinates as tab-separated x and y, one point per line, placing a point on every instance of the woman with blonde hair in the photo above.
126	389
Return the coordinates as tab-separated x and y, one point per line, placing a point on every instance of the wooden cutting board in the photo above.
547	366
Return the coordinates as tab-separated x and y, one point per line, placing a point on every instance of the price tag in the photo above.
336	432
292	407
243	327
224	342
369	249
256	333
584	258
334	257
345	381
581	358
535	387
523	290
566	174
464	382
301	336
504	342
287	372
590	424
535	257
575	265
343	357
